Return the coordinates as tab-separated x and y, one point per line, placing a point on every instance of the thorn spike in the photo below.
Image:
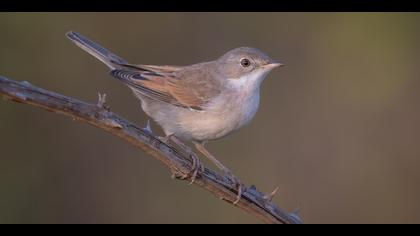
148	127
269	197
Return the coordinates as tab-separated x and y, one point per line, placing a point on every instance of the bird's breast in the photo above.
244	107
224	115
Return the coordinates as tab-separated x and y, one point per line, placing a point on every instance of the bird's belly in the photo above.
205	126
224	116
216	123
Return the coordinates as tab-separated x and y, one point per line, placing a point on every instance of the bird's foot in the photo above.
196	166
238	185
196	163
166	140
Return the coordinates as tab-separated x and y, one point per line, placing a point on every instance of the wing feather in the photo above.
169	84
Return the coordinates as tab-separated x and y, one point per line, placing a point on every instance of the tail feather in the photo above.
110	59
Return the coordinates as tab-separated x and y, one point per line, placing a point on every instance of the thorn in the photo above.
102	101
297	210
148	127
25	83
295	214
269	197
113	124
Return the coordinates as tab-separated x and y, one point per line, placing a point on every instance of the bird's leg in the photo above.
196	164
165	139
200	147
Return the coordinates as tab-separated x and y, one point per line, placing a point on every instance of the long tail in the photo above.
111	60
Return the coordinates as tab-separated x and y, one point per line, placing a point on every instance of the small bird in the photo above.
199	102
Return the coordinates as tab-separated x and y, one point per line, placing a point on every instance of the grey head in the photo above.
242	61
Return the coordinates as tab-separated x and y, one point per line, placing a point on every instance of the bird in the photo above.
199	103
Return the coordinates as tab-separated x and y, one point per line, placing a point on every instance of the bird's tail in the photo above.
111	60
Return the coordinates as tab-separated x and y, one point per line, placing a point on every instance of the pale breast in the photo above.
225	115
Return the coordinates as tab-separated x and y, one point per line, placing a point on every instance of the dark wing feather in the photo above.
136	81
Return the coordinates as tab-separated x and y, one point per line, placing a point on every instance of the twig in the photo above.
99	116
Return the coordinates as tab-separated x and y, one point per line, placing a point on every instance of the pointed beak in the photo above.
273	64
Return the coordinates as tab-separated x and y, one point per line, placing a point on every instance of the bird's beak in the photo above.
273	65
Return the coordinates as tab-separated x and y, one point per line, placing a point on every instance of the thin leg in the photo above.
196	164
178	142
166	138
200	147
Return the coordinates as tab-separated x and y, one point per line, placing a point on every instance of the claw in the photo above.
269	197
239	196
176	174
200	147
196	164
194	169
237	184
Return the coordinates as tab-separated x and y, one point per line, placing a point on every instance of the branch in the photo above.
180	164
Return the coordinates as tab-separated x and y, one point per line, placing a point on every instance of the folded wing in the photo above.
163	83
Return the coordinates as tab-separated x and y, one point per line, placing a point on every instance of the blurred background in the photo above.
337	130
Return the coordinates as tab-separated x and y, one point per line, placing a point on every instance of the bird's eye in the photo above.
245	62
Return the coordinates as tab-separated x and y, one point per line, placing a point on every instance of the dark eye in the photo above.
245	62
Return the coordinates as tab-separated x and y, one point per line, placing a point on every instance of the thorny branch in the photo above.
98	115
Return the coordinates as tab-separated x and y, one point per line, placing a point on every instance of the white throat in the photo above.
249	82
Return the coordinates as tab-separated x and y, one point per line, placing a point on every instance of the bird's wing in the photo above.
170	84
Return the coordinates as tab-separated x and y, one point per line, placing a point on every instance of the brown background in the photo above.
337	129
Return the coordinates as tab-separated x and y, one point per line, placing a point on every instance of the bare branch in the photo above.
98	115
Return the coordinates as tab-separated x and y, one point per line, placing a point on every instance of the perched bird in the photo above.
198	103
